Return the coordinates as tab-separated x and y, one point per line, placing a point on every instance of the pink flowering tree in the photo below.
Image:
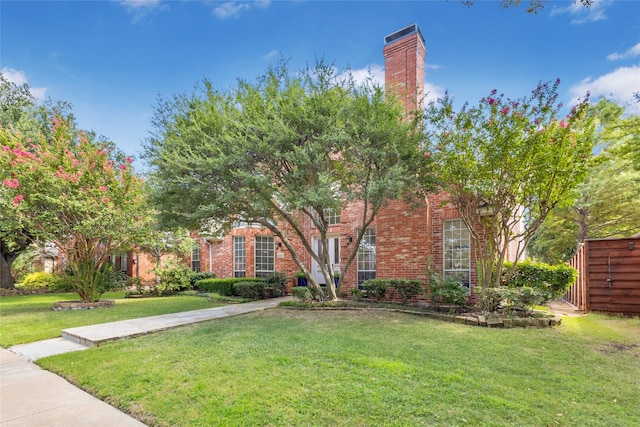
506	164
68	188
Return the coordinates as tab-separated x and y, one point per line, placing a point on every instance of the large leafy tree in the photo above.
284	150
606	203
68	187
506	164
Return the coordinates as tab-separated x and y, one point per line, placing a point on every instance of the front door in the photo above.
333	243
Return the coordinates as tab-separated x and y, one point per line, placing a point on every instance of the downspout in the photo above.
210	256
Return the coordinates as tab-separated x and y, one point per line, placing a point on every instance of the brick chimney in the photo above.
404	55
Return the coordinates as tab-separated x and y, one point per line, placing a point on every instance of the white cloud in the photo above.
271	55
618	85
582	14
375	71
142	8
433	92
19	78
235	8
432	67
630	53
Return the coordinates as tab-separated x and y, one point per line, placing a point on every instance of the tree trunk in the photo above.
6	279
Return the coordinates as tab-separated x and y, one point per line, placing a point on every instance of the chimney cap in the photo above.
411	29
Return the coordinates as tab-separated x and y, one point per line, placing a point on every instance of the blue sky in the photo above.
112	59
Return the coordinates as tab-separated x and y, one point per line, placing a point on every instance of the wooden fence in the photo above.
608	276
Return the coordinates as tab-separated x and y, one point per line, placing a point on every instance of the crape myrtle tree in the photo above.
283	150
506	164
68	187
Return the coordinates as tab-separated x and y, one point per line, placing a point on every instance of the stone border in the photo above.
467	319
79	305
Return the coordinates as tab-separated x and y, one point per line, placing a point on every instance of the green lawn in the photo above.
28	318
312	368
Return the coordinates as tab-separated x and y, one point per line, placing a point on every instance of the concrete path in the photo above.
564	308
33	397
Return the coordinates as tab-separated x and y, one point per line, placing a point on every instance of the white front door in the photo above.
333	243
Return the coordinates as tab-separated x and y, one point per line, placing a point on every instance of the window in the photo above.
457	251
239	257
195	259
367	256
332	216
264	256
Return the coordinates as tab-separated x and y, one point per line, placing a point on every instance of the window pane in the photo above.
366	257
264	256
457	259
239	256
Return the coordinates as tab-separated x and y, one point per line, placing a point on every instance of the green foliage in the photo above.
194	278
222	286
510	299
357	294
507	161
302	293
407	288
375	288
281	150
174	277
446	290
278	281
71	188
90	280
38	280
552	281
257	290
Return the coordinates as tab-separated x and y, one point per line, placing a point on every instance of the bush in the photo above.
357	294
195	277
38	281
256	290
315	294
173	278
301	292
407	288
552	280
278	281
507	298
376	288
446	290
222	286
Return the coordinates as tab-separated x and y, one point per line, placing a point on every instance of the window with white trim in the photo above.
366	258
195	259
457	251
264	256
332	216
239	256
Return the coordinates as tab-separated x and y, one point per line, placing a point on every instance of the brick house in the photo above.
398	244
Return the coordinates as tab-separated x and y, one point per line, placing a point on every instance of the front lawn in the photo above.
28	318
364	368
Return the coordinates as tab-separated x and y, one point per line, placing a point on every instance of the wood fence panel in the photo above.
608	276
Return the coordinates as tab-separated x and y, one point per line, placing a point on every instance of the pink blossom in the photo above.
123	167
557	81
560	105
11	183
427	154
564	124
505	111
105	199
18	199
492	101
537	121
129	160
102	188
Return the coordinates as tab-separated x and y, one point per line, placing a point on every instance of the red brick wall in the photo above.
404	70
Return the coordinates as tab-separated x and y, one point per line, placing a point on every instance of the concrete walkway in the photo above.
33	397
564	308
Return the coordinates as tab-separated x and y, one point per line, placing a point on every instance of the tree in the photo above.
76	191
506	164
606	203
285	150
533	6
162	242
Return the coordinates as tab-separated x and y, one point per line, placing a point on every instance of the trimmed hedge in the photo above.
302	293
552	280
257	290
377	288
223	286
196	277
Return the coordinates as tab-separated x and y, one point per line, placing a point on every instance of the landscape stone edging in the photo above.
473	320
79	305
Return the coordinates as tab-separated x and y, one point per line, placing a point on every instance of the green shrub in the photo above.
301	292
357	294
278	281
375	288
38	281
195	277
446	290
315	294
552	280
508	298
256	290
223	286
407	288
173	278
